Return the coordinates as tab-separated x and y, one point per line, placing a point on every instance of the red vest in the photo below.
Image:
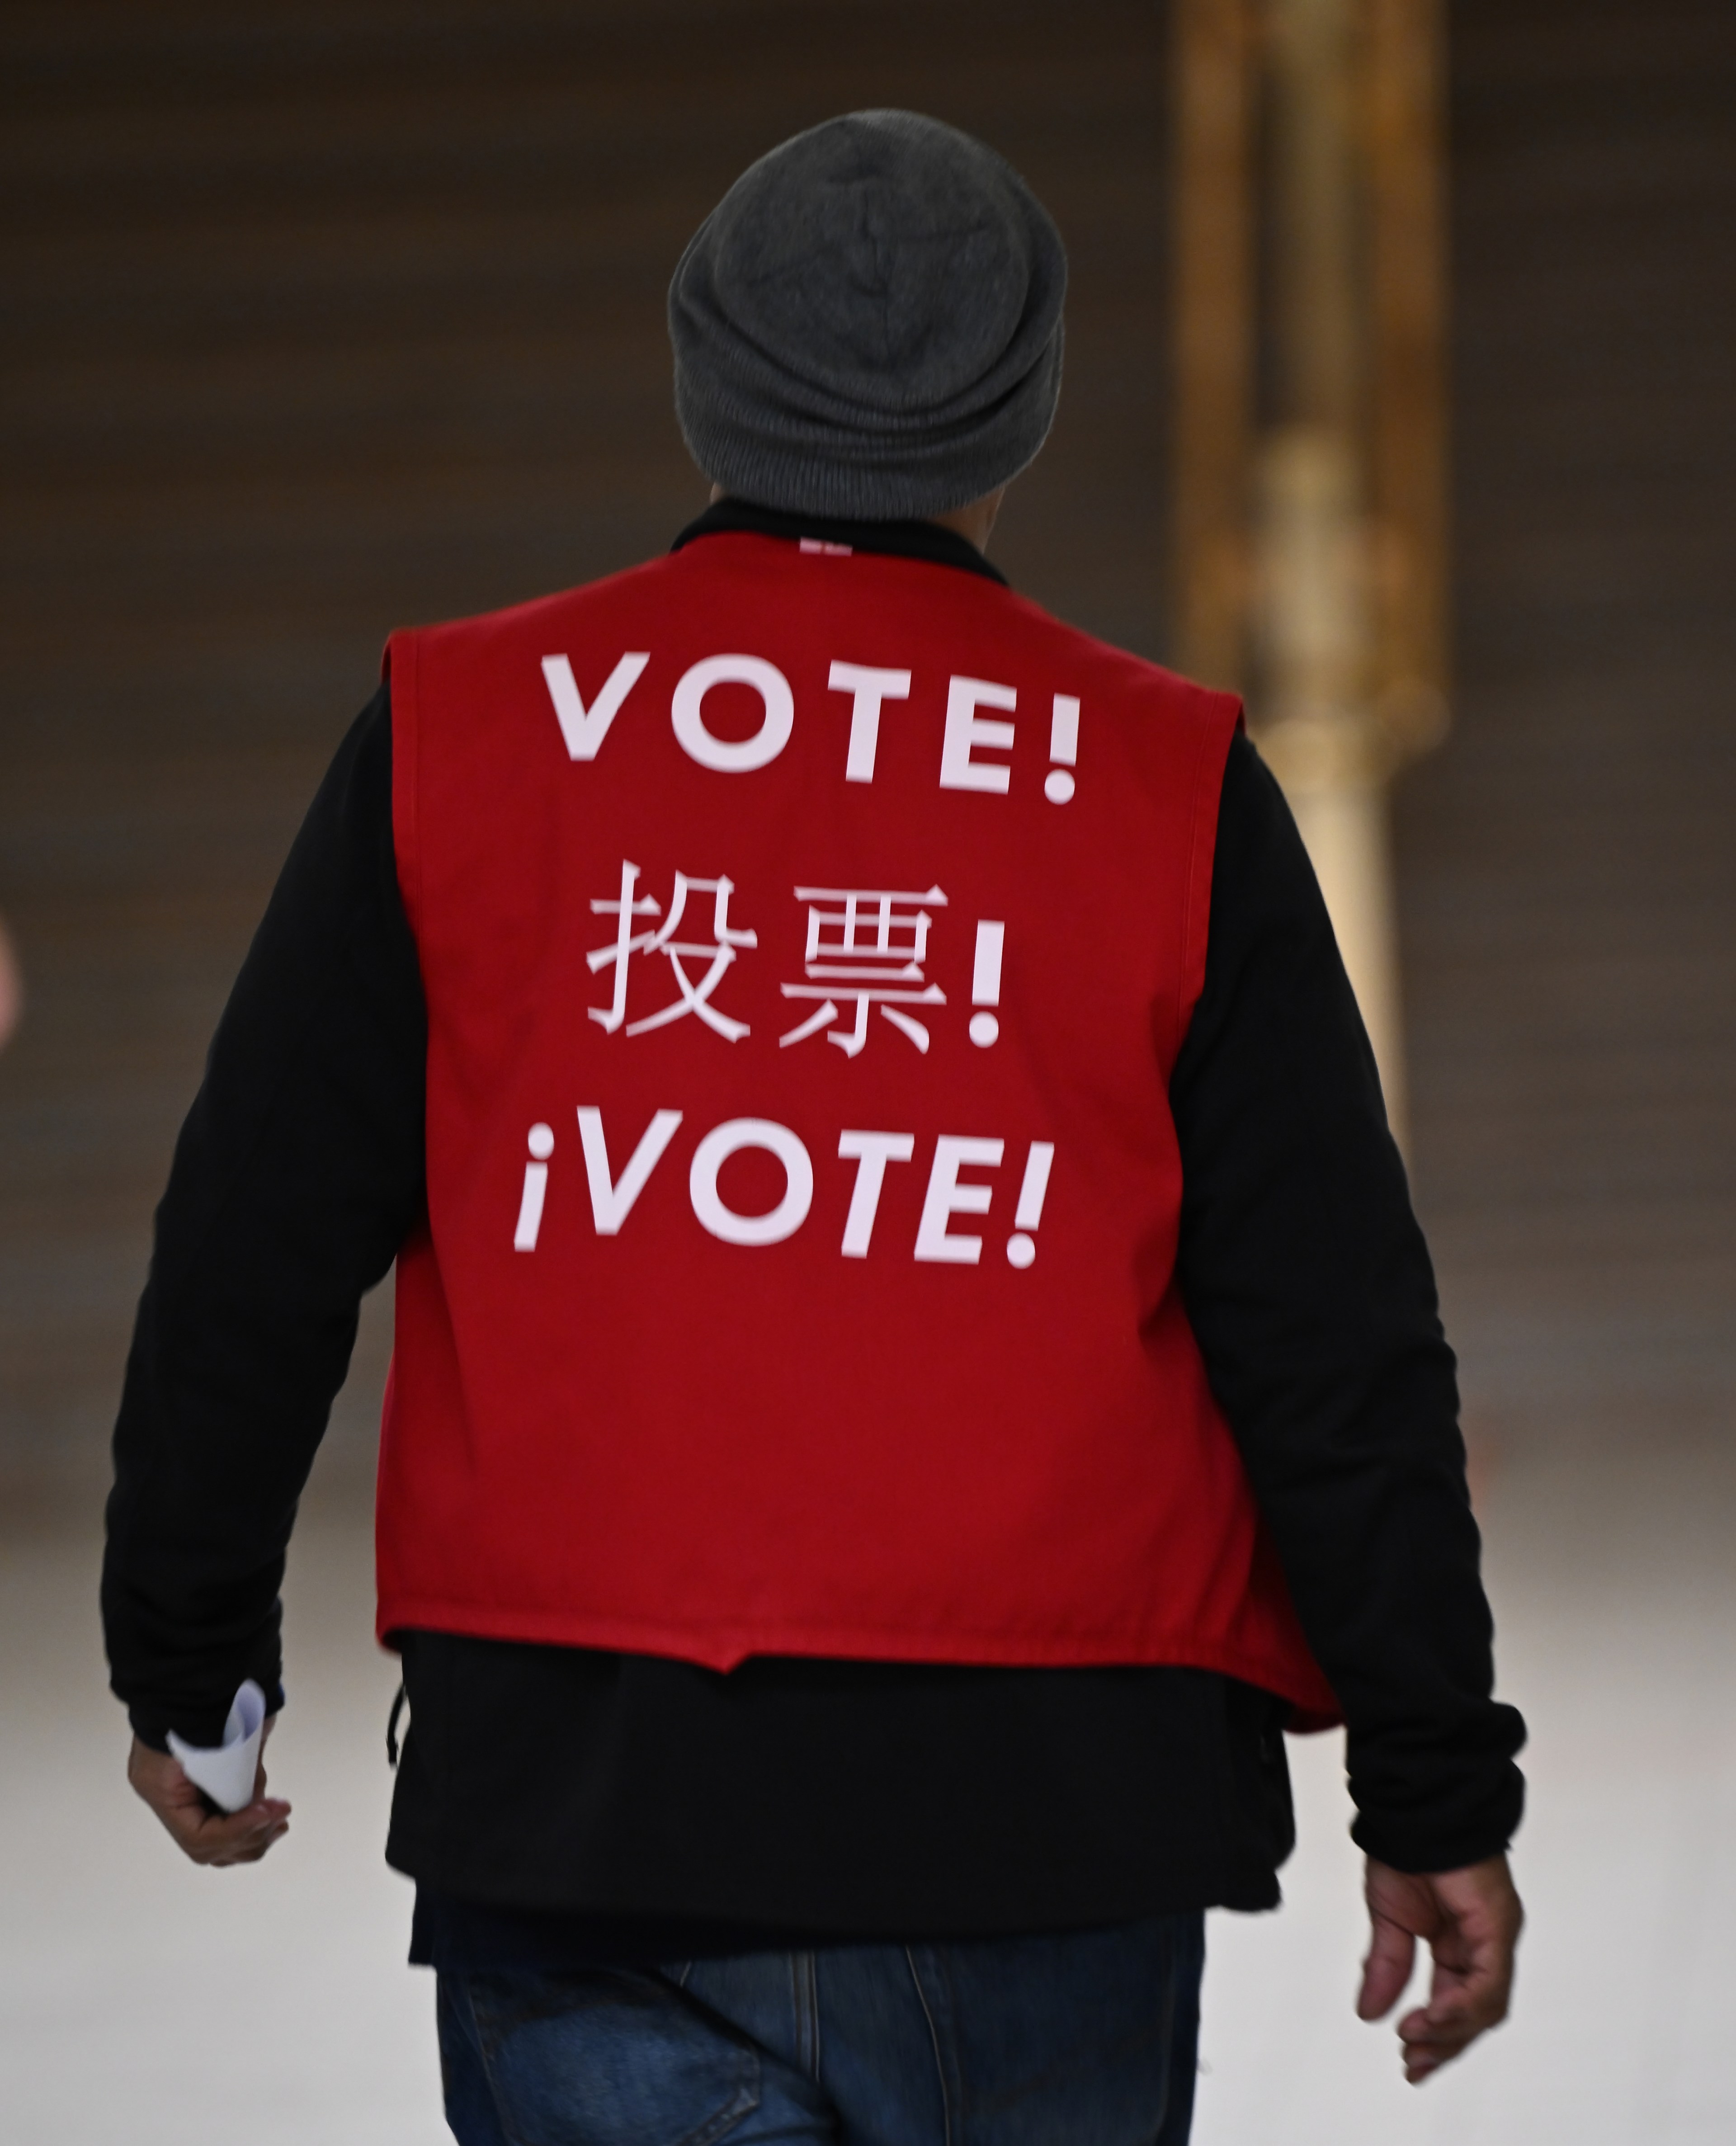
808	937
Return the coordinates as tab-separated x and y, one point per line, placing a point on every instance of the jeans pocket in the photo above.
610	2057
1075	2036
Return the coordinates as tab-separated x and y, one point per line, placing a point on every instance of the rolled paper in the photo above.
226	1774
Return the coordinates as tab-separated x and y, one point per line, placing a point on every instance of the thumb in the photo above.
1392	1954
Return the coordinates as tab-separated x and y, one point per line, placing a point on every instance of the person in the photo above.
915	1363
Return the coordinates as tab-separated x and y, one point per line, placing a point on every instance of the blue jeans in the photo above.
1085	2039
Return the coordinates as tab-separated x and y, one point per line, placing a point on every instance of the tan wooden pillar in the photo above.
1408	441
1212	195
1310	463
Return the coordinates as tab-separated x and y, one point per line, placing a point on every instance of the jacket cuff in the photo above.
200	1725
1421	1842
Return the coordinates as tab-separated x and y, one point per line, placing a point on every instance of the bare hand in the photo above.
1471	1920
217	1838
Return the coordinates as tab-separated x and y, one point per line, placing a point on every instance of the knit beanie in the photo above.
868	326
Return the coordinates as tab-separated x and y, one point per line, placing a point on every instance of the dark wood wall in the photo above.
319	318
1568	861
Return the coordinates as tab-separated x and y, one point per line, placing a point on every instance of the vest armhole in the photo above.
1220	718
401	673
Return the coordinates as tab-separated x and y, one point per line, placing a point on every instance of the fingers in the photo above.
242	1836
1392	1954
1472	1919
218	1838
1430	2038
1400	1911
213	1839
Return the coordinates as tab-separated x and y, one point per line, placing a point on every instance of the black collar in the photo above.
896	540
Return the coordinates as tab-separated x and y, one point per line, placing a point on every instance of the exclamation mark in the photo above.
1063	747
541	1145
1021	1248
985	983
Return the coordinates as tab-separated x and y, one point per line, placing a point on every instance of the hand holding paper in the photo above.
175	1783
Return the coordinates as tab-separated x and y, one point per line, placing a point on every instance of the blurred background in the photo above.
323	318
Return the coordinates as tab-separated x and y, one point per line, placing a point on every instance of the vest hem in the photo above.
725	1648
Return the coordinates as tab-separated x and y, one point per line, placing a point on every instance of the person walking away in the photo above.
915	1363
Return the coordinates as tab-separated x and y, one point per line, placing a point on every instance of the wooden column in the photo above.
1408	441
1213	196
1310	508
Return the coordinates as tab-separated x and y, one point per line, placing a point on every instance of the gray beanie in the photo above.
869	323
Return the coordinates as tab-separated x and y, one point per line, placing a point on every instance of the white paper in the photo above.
228	1773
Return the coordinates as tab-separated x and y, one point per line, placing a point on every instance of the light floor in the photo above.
1613	1570
144	2001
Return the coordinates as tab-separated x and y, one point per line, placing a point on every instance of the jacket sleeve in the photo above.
1309	1289
296	1176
